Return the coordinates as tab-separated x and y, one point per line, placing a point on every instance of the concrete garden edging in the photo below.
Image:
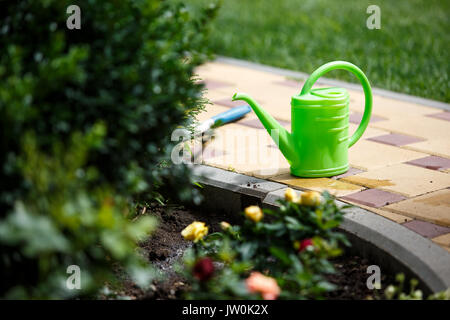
384	242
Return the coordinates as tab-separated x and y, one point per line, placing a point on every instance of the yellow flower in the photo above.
254	213
311	198
291	196
225	225
195	231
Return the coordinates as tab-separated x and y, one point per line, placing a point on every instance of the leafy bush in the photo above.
290	245
85	123
396	292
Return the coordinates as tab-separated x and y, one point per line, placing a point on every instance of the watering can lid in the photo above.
321	97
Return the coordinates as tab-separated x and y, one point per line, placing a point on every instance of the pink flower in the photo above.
267	286
305	244
203	269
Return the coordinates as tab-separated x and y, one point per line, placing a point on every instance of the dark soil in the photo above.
166	246
351	277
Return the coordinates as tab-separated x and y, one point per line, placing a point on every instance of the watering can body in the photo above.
320	121
319	140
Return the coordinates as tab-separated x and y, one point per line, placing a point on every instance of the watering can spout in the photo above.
278	133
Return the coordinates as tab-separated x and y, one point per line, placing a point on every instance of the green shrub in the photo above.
291	245
85	123
399	292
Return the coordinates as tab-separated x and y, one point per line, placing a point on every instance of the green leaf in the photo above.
214	236
247	250
280	254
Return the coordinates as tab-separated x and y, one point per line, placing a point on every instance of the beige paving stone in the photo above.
245	137
368	155
335	187
404	179
235	74
216	94
276	102
391	108
369	133
418	126
387	214
433	207
258	170
211	110
246	150
436	146
269	164
443	240
387	107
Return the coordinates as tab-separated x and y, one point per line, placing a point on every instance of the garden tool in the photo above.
203	129
221	119
319	140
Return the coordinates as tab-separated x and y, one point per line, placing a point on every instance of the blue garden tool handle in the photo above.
232	114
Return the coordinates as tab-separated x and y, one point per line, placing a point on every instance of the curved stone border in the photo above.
384	242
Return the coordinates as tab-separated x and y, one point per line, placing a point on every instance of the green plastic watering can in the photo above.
319	141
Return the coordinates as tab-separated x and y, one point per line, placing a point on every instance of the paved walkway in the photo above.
400	168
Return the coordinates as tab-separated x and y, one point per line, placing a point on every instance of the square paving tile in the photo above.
335	187
275	103
387	107
226	102
387	214
368	133
426	229
368	155
393	108
441	115
431	162
210	111
402	178
374	198
443	240
433	207
209	153
356	117
396	139
419	126
350	172
246	151
235	74
214	84
261	169
290	83
439	146
256	123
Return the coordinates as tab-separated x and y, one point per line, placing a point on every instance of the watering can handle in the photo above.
366	86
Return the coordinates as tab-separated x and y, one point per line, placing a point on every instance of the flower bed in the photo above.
205	272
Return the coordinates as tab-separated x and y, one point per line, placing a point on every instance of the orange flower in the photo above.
267	286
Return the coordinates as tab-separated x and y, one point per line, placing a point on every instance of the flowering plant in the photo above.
195	231
274	254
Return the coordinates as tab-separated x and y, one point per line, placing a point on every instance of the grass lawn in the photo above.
409	54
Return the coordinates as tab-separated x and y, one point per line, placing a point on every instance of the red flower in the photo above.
305	243
203	269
